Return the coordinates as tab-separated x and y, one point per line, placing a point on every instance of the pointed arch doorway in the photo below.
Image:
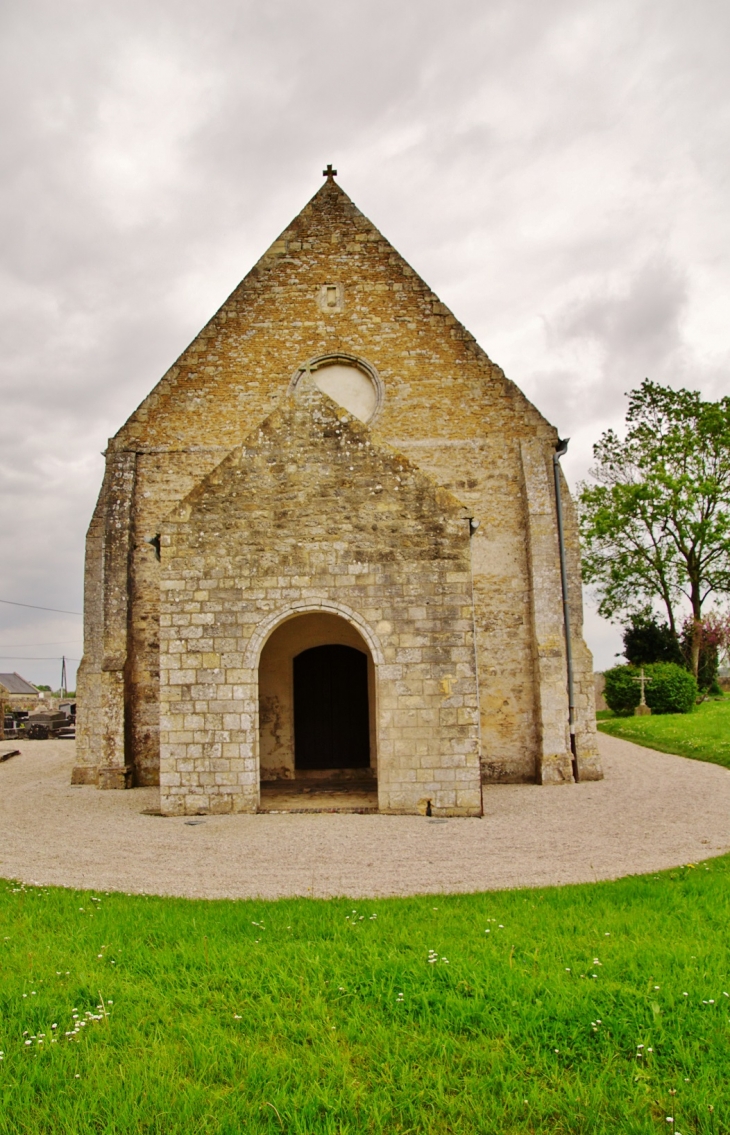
317	717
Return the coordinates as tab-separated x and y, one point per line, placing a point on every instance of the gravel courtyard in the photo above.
652	811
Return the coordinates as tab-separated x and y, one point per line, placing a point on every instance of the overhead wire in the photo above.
35	607
29	645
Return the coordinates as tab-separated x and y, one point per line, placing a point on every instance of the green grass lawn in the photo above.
598	1008
703	734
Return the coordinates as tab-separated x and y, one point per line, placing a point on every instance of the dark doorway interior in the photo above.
331	720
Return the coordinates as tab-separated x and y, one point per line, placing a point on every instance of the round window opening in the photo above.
351	382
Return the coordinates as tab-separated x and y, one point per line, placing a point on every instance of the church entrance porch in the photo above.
317	722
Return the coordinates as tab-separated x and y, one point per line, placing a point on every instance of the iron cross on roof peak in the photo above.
329	172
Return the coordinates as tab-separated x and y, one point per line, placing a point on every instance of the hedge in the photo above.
672	689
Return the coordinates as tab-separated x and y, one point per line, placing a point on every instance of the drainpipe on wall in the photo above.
473	525
561	448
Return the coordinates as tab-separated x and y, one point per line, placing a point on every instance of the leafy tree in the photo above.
714	638
647	640
656	526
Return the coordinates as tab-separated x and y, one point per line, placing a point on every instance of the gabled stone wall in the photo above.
311	515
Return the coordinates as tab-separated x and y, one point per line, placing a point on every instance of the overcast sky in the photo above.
557	170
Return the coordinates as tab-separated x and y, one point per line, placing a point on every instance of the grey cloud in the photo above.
633	332
642	324
538	163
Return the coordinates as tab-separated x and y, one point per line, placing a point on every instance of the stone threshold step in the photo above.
293	788
354	811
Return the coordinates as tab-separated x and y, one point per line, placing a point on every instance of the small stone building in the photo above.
16	693
326	547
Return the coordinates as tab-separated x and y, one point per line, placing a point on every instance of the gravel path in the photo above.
652	811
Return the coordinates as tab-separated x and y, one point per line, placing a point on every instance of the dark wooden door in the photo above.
331	719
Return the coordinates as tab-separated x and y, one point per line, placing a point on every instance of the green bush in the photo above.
672	689
622	694
646	640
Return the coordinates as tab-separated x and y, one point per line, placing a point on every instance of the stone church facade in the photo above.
326	545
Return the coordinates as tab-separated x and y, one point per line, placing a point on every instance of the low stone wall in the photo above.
600	681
